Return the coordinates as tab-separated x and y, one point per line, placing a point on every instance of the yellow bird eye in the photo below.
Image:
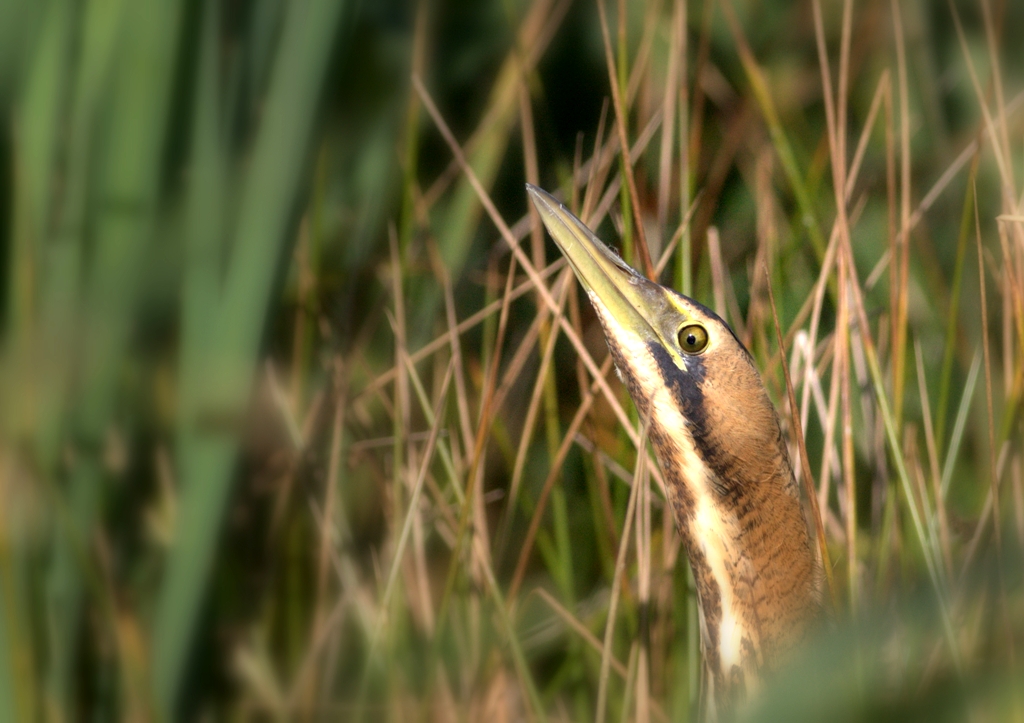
693	338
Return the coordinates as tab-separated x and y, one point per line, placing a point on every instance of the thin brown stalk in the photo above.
528	425
670	101
549	482
933	463
684	275
419	582
588	637
305	677
841	367
912	455
627	165
994	474
835	116
462	327
694	142
531	417
469	508
994	477
730	304
527	266
639	76
577	173
881	89
439	497
493	399
307	281
992	44
299	435
947	176
767	242
532	173
818	305
1002	159
401	421
525	347
620	568
974	546
1018	498
844	83
829	423
631	671
930	554
902	248
642	141
804	462
681	230
816	309
1013	297
717	272
454	344
721	165
538	27
595	178
643	555
604	460
412	511
330	503
576	318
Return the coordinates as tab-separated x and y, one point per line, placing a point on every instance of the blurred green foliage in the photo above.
225	224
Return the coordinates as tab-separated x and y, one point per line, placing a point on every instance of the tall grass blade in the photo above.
268	197
127	178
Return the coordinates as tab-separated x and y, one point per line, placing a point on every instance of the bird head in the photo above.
683	365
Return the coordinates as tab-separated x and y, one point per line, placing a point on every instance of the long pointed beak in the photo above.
611	282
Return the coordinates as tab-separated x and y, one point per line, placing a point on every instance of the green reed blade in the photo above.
269	193
126	184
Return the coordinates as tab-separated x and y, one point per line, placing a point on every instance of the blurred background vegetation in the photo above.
287	432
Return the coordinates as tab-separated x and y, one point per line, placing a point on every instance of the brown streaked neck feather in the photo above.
737	506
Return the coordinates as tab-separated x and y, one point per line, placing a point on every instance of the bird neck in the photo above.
755	571
737	506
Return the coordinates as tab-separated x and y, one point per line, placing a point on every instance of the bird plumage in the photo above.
723	455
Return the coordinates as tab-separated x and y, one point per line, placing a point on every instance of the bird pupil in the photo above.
691	339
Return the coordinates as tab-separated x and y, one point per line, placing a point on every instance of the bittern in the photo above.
722	453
